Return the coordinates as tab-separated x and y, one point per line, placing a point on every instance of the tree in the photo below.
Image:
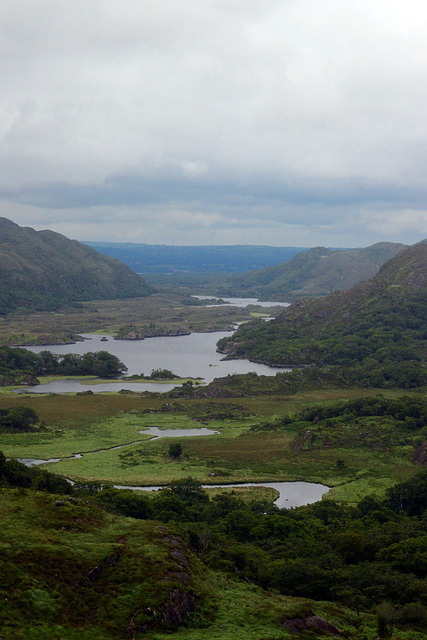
175	450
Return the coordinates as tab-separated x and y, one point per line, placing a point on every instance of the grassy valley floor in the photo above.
246	449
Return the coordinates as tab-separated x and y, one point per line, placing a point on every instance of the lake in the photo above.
192	356
241	302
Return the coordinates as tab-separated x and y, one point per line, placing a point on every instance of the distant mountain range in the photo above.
373	328
317	272
43	270
158	258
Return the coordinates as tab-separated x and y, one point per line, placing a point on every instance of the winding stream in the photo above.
193	355
154	432
291	494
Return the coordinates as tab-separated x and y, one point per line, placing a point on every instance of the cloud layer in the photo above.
216	122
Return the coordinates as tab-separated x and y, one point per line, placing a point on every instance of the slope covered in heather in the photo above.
377	328
44	270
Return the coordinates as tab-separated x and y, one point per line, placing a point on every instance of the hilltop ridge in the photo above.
376	325
317	272
44	270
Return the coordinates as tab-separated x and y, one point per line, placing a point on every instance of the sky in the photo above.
197	122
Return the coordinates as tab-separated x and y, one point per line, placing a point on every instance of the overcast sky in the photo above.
282	122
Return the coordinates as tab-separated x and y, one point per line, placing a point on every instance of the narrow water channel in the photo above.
291	494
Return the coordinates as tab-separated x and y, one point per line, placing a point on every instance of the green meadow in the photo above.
109	431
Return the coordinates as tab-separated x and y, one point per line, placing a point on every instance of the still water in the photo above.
241	302
188	356
291	494
154	433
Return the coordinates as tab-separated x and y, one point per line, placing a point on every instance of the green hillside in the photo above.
43	270
317	272
376	331
104	564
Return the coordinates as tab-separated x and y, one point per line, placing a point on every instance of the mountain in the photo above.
147	258
317	272
371	329
43	270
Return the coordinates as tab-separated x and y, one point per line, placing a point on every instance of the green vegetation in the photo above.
317	272
43	270
21	365
90	560
260	438
17	419
175	450
372	335
97	562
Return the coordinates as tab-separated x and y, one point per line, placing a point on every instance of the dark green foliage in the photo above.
372	335
317	272
17	419
44	270
162	374
369	558
17	362
410	496
374	422
360	556
175	450
410	409
16	474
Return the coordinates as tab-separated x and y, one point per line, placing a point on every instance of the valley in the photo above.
346	409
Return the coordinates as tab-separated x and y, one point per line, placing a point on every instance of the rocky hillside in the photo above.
43	270
378	324
317	272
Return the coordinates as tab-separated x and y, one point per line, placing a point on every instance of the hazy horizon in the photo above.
216	123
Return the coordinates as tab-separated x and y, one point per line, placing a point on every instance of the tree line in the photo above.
17	361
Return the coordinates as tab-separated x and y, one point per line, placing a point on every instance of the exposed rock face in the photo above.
179	607
212	327
420	454
306	438
312	623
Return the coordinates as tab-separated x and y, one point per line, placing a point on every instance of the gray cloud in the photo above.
221	121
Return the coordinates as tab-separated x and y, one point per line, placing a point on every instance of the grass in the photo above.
48	554
76	424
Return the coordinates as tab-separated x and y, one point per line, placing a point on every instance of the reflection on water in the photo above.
155	432
291	494
188	356
241	302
